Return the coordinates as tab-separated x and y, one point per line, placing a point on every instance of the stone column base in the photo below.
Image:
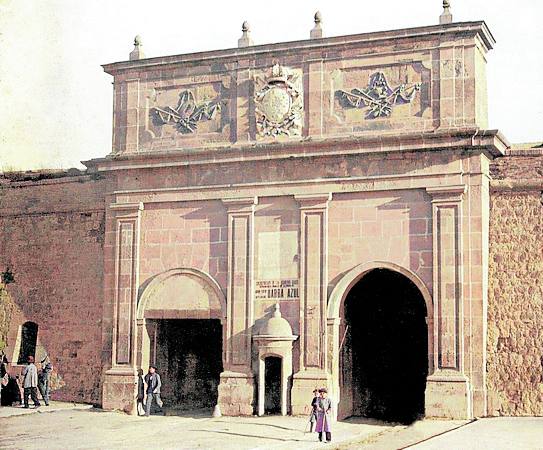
237	394
119	391
303	383
448	397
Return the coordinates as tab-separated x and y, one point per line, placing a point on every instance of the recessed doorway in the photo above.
272	399
189	360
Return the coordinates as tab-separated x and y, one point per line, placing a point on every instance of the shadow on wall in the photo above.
6	309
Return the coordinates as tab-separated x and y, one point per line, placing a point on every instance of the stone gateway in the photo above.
332	212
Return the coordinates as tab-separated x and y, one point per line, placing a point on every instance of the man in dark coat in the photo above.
314	405
152	380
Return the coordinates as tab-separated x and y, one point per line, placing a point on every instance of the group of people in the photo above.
148	390
321	414
33	380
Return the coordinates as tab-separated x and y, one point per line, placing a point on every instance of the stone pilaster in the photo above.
244	109
314	114
132	115
313	280
237	386
120	383
448	391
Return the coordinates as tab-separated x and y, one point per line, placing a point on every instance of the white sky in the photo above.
56	102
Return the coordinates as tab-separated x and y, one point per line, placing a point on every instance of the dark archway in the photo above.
29	340
189	359
272	377
384	357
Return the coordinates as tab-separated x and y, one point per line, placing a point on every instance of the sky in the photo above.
56	101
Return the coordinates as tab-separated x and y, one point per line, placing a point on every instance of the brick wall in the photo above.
51	237
515	301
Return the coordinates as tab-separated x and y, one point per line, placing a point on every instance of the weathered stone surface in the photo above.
6	308
446	64
51	236
237	394
515	304
524	162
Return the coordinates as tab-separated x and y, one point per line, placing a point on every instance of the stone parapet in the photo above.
418	79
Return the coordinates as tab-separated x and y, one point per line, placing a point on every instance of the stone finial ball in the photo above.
318	17
446	4
137	40
245	26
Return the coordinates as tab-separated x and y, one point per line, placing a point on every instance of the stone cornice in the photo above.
491	141
478	28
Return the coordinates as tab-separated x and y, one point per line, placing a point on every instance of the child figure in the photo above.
314	404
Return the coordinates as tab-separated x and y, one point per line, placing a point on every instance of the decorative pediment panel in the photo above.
179	111
381	97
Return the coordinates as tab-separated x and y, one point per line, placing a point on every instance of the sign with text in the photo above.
277	289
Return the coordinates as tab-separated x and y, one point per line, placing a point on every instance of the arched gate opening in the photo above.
384	348
181	314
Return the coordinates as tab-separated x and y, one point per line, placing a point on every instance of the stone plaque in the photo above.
277	255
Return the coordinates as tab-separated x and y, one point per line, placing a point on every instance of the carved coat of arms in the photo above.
278	103
378	96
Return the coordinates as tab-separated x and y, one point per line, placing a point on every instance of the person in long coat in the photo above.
30	383
314	404
324	415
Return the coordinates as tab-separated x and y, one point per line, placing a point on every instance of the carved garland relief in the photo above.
278	103
187	113
378	96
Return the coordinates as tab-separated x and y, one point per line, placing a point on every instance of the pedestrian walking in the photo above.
324	415
44	376
30	383
152	380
